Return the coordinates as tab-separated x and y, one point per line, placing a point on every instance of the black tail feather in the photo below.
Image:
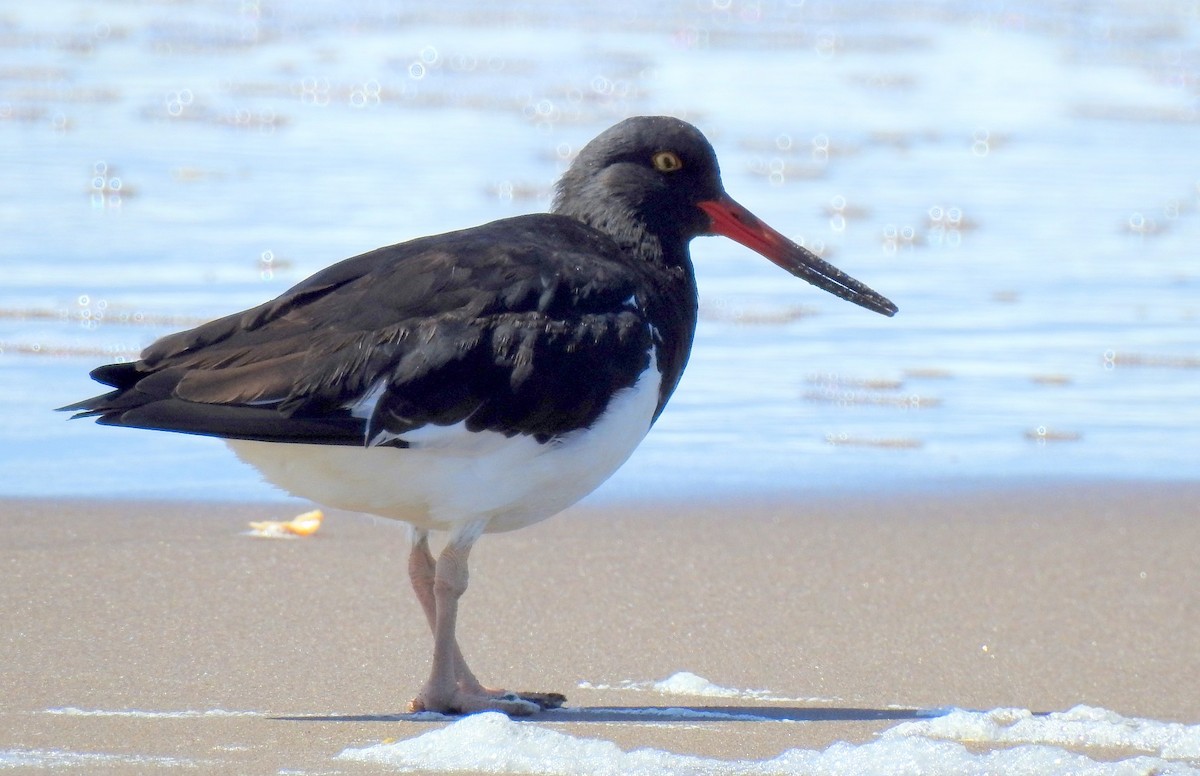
147	399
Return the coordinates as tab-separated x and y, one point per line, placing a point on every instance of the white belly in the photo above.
449	475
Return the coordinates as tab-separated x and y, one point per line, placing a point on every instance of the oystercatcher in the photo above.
470	382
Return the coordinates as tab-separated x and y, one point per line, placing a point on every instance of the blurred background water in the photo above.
1021	178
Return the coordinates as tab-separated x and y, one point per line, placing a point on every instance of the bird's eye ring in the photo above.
666	161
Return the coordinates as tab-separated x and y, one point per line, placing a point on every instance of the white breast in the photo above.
449	474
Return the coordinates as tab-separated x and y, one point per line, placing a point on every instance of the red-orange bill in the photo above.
739	224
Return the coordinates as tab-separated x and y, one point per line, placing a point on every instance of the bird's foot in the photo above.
544	700
463	702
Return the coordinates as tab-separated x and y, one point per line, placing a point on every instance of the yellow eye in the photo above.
667	161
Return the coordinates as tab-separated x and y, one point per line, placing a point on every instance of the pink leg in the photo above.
452	687
421	571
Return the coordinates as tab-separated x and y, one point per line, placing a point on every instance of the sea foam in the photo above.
493	743
685	683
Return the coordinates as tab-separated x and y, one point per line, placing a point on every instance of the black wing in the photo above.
526	325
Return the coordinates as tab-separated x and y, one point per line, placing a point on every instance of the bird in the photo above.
476	381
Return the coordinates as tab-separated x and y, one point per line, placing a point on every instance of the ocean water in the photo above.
1020	178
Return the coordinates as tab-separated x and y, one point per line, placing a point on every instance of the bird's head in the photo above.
660	174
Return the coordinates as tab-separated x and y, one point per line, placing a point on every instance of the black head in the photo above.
657	177
653	168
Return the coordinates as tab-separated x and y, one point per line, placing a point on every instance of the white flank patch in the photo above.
493	743
450	474
364	407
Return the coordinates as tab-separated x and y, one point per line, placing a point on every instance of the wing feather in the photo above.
486	326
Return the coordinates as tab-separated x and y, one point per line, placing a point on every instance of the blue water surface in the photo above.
1022	179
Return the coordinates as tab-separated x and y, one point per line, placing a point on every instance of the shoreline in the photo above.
638	500
851	614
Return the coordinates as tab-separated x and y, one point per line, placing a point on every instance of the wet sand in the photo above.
854	613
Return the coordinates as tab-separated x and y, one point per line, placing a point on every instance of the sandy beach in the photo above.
148	635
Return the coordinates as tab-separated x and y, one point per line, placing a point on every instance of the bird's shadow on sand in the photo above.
658	714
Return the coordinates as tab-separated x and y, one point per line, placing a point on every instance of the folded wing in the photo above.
482	326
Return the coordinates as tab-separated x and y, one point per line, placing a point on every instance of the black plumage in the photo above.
484	325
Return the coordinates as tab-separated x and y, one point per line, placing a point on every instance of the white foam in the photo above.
493	743
670	714
71	711
57	758
685	683
1082	726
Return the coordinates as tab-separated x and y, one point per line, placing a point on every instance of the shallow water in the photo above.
1019	178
